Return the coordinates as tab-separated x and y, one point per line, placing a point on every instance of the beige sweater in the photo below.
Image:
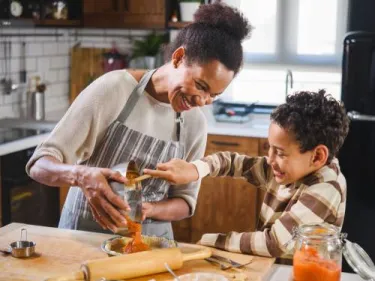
78	133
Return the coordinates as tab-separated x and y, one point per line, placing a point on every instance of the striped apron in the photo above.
122	144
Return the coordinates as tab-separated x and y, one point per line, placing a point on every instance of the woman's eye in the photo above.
199	86
213	96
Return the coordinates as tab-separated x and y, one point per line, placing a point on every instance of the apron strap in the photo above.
134	97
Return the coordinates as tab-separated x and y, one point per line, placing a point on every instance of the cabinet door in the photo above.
145	13
146	7
224	204
124	13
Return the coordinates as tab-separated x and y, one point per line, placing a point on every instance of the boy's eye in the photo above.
213	96
280	154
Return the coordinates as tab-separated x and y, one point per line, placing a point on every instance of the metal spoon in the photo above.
171	272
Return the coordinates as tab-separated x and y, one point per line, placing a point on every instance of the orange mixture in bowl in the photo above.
135	244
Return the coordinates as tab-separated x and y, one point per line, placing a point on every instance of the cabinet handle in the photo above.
114	5
126	6
223	143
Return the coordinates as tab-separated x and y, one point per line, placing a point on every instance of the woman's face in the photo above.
197	85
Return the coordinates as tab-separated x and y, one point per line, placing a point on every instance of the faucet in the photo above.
288	81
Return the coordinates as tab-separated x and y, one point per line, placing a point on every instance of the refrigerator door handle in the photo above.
356	116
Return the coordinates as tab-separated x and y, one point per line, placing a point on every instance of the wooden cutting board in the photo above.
60	251
85	66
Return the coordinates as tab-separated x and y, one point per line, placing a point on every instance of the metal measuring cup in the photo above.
22	248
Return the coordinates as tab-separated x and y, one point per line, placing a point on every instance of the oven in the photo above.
24	200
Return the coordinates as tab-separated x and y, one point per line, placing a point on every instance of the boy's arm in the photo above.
225	163
318	203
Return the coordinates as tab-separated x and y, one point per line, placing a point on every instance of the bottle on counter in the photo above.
36	99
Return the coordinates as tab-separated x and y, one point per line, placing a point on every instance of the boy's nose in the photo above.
270	158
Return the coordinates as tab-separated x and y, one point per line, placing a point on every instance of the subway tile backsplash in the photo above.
49	57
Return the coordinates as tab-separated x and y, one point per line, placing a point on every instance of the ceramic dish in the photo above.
113	245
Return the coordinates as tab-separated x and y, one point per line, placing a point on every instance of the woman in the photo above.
149	117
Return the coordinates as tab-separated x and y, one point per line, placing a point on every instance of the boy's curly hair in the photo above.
314	119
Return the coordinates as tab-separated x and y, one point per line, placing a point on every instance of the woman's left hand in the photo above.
147	209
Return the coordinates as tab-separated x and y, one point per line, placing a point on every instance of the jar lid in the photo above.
359	260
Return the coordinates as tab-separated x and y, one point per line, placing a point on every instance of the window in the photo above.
302	35
294	32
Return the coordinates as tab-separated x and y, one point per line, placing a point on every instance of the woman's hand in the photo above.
107	207
147	209
176	171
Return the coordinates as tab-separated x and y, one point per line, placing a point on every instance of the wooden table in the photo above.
60	251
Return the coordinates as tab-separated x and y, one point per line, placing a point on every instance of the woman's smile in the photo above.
184	103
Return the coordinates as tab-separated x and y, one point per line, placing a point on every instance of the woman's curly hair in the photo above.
314	119
215	34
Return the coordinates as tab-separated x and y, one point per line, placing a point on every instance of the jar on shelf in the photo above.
318	254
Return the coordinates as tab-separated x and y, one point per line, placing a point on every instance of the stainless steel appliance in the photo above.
357	156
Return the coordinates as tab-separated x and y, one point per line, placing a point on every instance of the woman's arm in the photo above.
172	209
106	206
74	140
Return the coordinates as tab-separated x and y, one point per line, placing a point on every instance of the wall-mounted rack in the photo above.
30	34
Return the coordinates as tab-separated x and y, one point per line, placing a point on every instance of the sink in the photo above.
27	124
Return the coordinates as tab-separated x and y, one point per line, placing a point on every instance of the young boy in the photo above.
301	175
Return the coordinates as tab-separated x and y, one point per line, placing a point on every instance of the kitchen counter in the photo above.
62	251
257	127
32	141
283	272
22	144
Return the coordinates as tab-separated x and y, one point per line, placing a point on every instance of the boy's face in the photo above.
284	156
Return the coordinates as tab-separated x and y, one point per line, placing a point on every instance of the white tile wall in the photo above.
48	57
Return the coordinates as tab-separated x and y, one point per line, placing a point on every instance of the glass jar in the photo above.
318	254
132	192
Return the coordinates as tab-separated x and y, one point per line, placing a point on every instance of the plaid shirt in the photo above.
316	198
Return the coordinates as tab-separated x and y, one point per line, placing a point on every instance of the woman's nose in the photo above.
202	99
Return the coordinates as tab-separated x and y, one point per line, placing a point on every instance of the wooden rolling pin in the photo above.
133	265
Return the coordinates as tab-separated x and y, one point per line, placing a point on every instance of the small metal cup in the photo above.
22	248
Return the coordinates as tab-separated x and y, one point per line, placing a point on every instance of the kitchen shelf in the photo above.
52	22
178	24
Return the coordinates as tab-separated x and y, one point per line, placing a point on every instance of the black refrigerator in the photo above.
357	156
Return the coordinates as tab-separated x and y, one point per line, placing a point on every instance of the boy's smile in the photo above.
288	163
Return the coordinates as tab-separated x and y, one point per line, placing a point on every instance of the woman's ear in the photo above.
177	56
320	156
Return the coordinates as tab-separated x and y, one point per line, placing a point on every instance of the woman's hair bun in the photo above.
224	17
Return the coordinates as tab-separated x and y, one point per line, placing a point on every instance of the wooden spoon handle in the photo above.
141	178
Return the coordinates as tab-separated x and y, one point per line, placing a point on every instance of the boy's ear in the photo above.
320	156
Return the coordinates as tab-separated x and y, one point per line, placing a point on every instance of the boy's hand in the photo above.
176	171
